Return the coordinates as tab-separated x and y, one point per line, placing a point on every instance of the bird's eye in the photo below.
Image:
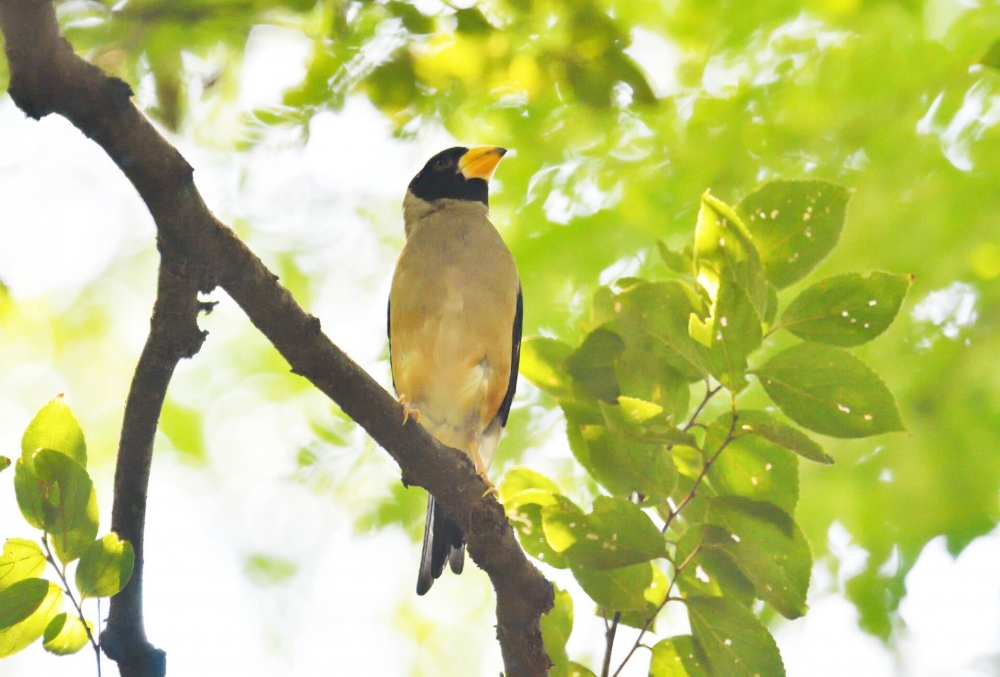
442	163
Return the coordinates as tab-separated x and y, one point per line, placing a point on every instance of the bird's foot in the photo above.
409	411
492	489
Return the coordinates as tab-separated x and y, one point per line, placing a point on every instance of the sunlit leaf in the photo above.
18	601
69	503
21	559
28	490
768	547
617	533
677	656
733	332
734	642
830	391
992	56
105	567
724	250
4	463
524	493
794	225
20	635
65	634
542	363
54	427
846	310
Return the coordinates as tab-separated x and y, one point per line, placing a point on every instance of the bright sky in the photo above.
69	215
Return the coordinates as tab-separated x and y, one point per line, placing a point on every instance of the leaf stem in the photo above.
69	593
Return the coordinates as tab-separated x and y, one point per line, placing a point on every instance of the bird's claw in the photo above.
409	411
492	489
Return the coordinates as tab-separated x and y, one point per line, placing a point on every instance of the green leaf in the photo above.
794	224
653	321
734	642
724	250
54	427
763	424
731	332
625	464
752	466
592	365
69	503
4	463
29	494
617	533
557	625
679	262
21	560
710	571
620	589
542	363
678	656
830	391
20	600
992	56
846	310
105	567
768	547
65	634
524	493
654	594
20	635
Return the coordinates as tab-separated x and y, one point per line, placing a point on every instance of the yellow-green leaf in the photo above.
65	634
21	559
54	427
105	567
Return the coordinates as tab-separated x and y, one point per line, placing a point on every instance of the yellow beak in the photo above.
480	162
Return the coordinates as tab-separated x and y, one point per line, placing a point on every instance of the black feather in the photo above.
443	542
515	361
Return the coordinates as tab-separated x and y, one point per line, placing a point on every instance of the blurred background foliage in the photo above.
621	113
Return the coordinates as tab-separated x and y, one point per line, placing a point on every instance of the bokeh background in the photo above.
279	539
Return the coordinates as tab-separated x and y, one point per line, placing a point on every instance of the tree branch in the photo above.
173	335
47	77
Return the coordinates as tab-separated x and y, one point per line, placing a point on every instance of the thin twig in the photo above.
701	476
610	637
709	394
69	593
666	599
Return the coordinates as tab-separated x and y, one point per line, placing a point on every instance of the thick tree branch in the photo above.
173	335
47	77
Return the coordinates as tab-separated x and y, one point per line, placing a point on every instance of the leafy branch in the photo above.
69	592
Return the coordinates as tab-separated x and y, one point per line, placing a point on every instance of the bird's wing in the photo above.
515	360
388	333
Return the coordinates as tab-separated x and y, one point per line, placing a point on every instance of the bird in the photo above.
454	323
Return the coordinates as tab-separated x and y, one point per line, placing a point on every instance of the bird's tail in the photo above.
443	541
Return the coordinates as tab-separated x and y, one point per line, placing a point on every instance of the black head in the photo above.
458	173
